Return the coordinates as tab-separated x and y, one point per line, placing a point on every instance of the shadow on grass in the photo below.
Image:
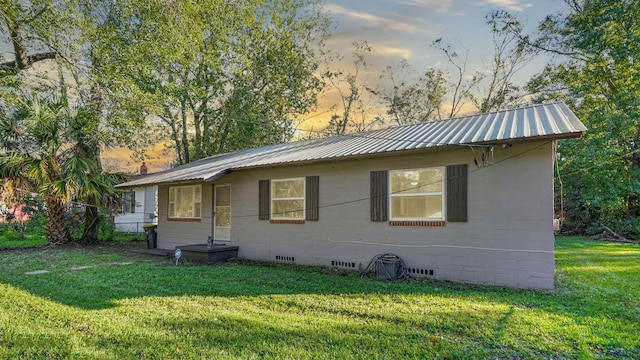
111	277
250	310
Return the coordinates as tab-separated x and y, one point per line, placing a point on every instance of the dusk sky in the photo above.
397	30
404	29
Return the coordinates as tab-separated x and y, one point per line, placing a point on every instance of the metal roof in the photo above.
551	121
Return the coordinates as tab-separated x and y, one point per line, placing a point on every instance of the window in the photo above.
417	194
287	199
129	202
414	198
185	201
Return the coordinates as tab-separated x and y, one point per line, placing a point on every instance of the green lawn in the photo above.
125	306
15	241
12	240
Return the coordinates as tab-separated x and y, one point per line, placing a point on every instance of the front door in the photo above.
222	212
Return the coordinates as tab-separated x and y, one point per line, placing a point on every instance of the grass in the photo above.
125	306
13	240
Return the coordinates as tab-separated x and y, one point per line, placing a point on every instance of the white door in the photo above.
222	212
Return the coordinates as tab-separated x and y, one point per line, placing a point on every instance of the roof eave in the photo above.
211	178
409	151
572	135
154	183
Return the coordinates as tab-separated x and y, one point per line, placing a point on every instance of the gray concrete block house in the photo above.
468	199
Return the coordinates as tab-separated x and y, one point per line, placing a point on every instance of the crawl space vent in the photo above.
285	258
343	264
419	271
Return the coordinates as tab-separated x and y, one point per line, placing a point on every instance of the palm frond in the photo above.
13	164
61	189
13	191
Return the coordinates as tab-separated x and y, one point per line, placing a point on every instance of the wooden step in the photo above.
206	254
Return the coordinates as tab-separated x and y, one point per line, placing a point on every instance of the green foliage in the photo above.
37	219
413	102
597	52
128	237
235	77
115	306
37	216
29	233
46	156
106	231
34	233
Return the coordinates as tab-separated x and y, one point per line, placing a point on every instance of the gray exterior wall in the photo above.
173	233
507	240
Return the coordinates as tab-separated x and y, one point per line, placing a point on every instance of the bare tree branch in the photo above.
24	63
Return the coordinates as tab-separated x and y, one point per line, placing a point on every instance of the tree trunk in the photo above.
633	200
91	224
57	231
197	123
19	48
91	149
185	139
171	121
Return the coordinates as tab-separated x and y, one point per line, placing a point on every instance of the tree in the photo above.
70	37
596	47
65	36
350	111
218	75
493	90
460	87
51	162
18	20
509	57
413	102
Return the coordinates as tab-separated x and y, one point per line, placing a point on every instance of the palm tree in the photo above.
41	153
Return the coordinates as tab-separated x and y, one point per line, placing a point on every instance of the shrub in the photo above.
106	231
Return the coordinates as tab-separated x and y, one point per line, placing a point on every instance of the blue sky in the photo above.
405	28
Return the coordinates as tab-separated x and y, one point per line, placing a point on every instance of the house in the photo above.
139	206
468	199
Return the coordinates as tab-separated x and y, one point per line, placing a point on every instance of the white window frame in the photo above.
442	194
129	202
194	205
303	198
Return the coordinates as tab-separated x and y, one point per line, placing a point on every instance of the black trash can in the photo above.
152	235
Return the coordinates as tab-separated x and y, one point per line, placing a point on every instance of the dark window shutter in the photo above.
457	193
379	194
264	199
312	197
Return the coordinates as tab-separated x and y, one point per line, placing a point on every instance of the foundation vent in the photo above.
419	271
285	258
343	264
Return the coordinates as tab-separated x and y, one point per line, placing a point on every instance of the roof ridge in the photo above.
548	121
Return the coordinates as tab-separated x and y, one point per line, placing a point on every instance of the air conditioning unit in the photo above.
388	267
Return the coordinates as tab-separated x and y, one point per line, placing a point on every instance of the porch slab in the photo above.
208	255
